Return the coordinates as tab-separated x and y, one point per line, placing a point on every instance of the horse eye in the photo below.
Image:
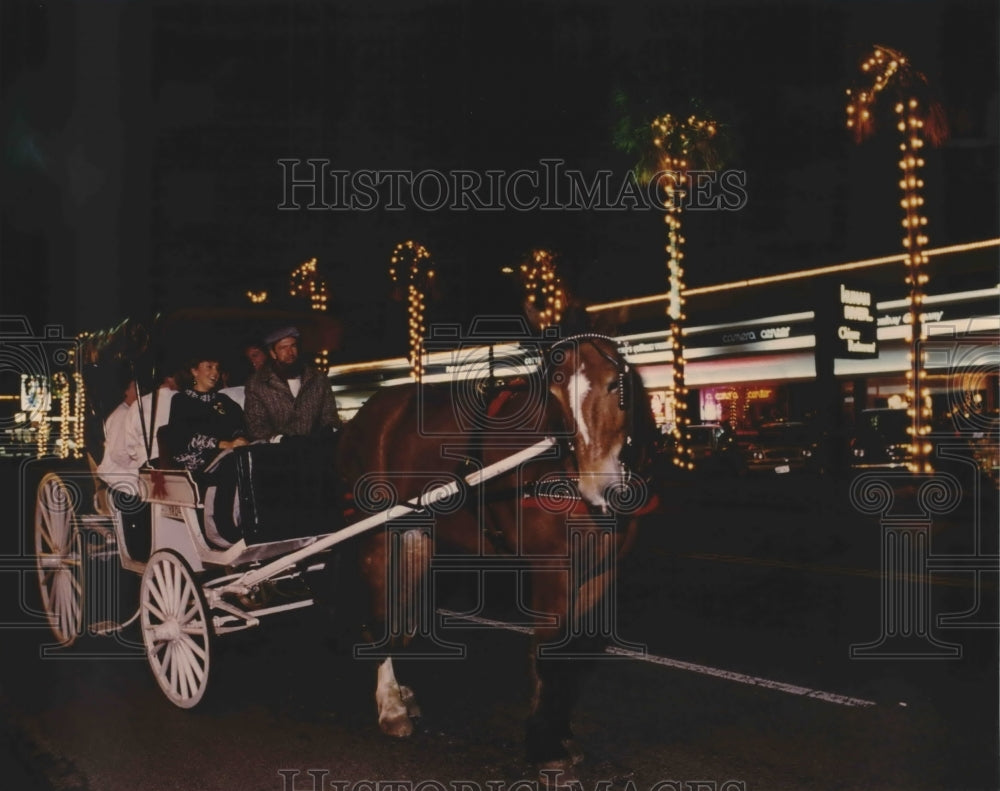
612	385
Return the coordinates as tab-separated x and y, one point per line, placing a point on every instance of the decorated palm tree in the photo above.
668	149
411	262
889	77
544	294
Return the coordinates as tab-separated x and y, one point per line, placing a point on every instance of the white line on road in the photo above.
677	664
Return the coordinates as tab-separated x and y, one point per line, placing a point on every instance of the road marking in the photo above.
935	579
677	664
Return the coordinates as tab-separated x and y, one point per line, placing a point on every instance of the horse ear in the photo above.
557	366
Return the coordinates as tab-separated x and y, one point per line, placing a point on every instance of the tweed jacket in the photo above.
271	409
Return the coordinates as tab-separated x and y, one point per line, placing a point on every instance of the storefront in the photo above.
834	338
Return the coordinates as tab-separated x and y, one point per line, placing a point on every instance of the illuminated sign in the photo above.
855	324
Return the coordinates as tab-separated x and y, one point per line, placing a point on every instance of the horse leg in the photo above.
400	599
557	682
396	703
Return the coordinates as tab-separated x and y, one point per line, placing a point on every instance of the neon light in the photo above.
802	273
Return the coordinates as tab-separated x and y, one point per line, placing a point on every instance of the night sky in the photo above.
141	143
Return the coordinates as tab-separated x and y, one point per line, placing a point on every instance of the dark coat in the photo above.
271	409
198	422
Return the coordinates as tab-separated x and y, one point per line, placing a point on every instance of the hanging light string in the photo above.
412	260
917	121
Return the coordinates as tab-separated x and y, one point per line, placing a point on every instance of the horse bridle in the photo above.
624	402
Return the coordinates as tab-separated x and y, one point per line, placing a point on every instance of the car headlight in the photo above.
807	453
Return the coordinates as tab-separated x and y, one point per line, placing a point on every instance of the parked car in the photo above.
881	441
783	447
714	449
985	444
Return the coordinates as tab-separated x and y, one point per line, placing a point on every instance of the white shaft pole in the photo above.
256	576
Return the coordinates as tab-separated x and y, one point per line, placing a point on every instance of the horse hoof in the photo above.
574	751
410	701
397	725
558	775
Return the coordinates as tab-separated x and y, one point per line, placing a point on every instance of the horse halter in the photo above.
623	370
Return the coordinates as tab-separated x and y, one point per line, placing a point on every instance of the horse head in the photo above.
603	406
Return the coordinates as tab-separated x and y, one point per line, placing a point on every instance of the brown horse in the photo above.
562	518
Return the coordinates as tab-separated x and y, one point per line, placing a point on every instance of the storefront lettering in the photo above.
764	334
850	296
895	319
855	323
857	313
862	348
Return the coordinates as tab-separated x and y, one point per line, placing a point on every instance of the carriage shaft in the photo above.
252	578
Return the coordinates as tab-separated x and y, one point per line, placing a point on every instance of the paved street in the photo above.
732	664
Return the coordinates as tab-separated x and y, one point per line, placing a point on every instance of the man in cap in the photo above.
286	397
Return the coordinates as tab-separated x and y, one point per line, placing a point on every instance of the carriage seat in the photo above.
267	492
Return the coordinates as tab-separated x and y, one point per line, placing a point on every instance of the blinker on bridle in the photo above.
620	365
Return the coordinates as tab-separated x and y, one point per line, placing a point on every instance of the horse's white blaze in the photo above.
599	467
393	717
579	386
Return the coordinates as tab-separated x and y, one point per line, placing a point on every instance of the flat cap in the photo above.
276	335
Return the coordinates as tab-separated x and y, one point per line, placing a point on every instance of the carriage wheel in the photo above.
59	556
175	628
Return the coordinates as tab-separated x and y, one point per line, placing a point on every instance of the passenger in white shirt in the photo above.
136	439
117	465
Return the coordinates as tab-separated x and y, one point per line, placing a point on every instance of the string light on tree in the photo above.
677	144
308	284
918	119
78	414
60	387
258	297
411	261
543	287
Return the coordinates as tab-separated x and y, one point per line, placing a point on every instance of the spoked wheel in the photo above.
59	556
175	628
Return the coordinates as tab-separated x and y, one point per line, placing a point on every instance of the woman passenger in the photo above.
203	422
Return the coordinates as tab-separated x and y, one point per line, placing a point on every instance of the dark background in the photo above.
140	144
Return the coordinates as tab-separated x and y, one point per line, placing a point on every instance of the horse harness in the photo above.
553	490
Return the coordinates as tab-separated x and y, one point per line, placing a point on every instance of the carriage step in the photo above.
104	627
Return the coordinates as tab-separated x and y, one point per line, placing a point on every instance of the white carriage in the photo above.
192	589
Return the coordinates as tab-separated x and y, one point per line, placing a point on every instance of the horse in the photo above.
406	438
